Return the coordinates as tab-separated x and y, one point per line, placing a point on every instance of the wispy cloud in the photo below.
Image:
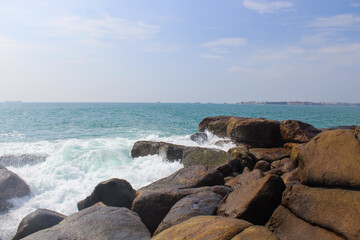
338	21
164	48
106	27
227	42
355	5
282	54
13	45
211	57
266	6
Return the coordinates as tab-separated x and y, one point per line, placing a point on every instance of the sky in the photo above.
180	50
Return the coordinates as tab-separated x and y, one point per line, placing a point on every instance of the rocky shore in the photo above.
283	180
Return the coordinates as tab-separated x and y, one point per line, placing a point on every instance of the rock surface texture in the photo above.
256	233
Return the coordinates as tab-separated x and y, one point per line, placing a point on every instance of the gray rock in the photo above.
172	152
22	160
199	137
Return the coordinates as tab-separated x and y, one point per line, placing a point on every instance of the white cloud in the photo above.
265	6
106	27
207	56
228	42
281	54
338	21
12	45
164	48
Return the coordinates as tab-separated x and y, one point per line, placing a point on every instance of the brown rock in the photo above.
332	158
334	209
244	157
295	151
245	179
204	228
291	178
171	151
256	233
290	145
254	202
203	203
262	165
270	154
153	206
286	226
113	192
96	223
296	131
216	125
188	177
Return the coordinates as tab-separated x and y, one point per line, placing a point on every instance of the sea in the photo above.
62	150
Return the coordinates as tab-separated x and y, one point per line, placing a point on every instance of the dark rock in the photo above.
256	233
286	225
254	202
333	209
282	166
262	165
36	221
97	223
113	192
296	131
199	137
11	186
332	158
245	179
216	125
172	152
22	160
245	158
203	203
270	154
188	177
152	206
204	228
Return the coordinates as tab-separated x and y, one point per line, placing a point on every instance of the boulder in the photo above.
270	154
286	226
11	186
97	223
256	233
245	179
204	228
254	202
332	158
36	221
296	131
245	158
258	132
172	152
333	209
291	178
153	206
286	164
188	177
113	192
262	165
216	125
203	203
199	137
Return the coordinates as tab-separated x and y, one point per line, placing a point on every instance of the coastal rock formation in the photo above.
36	221
262	165
199	137
270	154
245	179
11	186
113	192
332	158
296	131
216	125
97	223
204	228
153	205
333	209
256	233
254	202
172	152
286	225
203	203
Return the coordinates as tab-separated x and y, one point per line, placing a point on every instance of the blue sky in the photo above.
180	51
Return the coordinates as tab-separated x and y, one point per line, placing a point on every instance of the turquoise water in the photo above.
85	143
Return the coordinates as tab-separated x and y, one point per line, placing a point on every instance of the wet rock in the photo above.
332	158
222	143
36	221
153	206
21	160
11	186
172	152
256	233
296	131
199	137
97	223
216	125
188	177
334	209
262	165
203	203
270	154
204	228
245	179
113	192
286	225
254	202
